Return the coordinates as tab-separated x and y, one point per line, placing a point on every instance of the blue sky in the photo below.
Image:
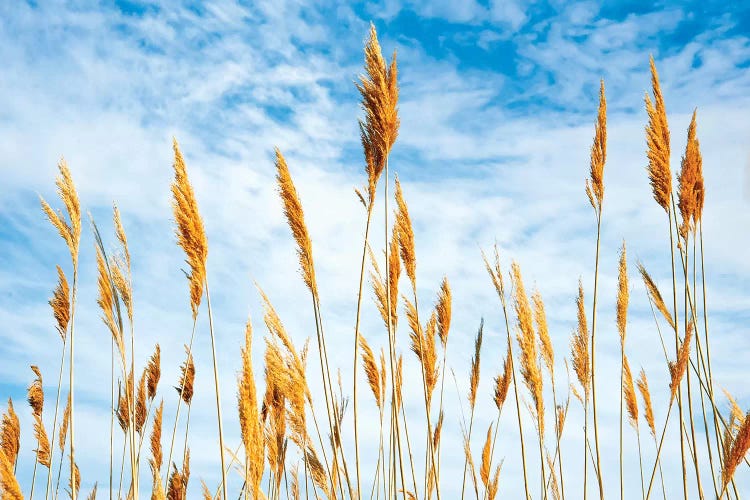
498	102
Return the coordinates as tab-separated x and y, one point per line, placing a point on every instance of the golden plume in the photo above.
371	370
595	184
8	483
648	409
443	308
503	380
579	346
70	230
154	372
679	366
36	393
656	297
657	139
43	452
187	379
623	295
379	90
63	431
60	303
736	451
629	393
406	236
250	423
475	365
690	181
10	434
545	342
191	234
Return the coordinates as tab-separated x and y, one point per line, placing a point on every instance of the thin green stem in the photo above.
593	354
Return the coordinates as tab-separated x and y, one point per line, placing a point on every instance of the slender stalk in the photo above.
593	354
218	398
640	462
622	376
558	437
73	493
179	405
356	346
111	414
466	459
33	475
54	421
585	443
658	450
676	346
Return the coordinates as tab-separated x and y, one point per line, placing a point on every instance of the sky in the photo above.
497	105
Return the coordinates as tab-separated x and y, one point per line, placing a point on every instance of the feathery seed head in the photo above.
595	185
10	434
631	401
443	308
690	182
579	346
187	379
657	140
60	303
154	372
545	342
36	393
70	229
623	295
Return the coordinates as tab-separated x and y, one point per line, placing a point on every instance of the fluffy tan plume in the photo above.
8	483
657	140
406	236
631	402
579	346
656	297
153	370
43	452
737	451
484	469
496	273
63	431
191	234
475	365
545	342
156	450
296	220
595	184
70	229
10	434
60	303
107	302
250	422
530	369
648	409
187	379
379	90
503	380
371	370
140	403
36	393
690	181
623	295
443	309
679	366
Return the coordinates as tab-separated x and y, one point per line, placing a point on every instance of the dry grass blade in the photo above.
250	423
545	342
648	410
623	295
690	181
737	451
70	229
185	386
8	483
36	393
296	220
579	347
60	303
631	402
43	452
10	434
657	139
438	431
595	185
317	472
443	309
496	273
92	495
153	370
494	483
656	297
191	234
554	486
530	369
379	90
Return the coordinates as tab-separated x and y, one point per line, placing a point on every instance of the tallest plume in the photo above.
379	89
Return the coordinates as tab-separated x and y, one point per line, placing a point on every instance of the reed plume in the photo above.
60	303
595	183
406	236
140	403
157	454
736	451
630	399
64	425
8	482
443	309
690	181
379	90
187	379
623	295
153	370
502	381
250	423
70	228
43	453
190	232
656	297
679	366
10	434
296	219
657	139
475	365
74	483
36	393
545	342
373	374
648	411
